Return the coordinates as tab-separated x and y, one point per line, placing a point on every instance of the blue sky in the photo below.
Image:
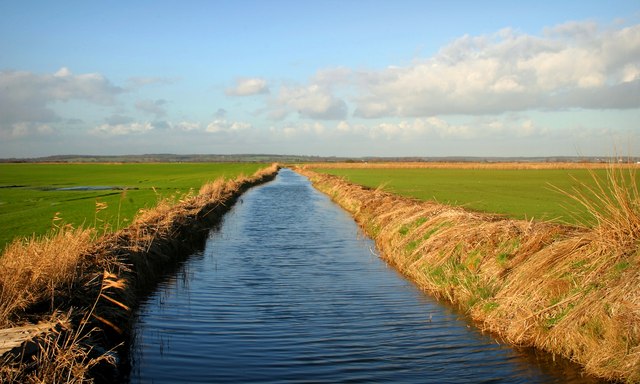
344	78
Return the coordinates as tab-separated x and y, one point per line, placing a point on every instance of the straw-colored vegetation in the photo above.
572	291
89	286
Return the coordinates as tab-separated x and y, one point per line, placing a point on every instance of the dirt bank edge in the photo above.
93	311
565	290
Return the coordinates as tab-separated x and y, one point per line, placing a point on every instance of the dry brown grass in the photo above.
567	290
468	165
34	270
65	354
614	203
95	282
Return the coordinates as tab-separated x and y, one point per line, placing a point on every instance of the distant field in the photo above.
522	192
30	195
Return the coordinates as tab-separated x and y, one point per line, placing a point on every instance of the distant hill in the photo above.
269	158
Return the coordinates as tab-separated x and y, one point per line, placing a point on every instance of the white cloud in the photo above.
188	126
225	126
330	76
432	128
573	65
26	97
312	101
122	129
631	72
306	130
576	65
248	87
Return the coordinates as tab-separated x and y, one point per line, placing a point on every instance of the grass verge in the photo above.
89	288
571	291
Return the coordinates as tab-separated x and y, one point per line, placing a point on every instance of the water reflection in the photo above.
288	290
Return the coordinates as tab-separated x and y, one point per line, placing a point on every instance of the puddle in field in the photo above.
289	290
91	188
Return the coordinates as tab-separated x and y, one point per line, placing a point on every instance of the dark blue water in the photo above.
289	290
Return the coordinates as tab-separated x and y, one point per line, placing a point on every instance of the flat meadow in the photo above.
516	190
35	197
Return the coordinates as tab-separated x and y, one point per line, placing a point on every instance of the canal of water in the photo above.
289	290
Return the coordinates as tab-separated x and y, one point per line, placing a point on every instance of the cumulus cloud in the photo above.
313	101
572	65
26	97
225	126
248	87
122	129
432	128
575	65
438	128
154	107
304	130
188	126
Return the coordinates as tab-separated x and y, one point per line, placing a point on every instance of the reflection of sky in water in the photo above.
289	290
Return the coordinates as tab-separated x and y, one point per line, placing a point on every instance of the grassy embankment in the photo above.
87	288
30	199
569	290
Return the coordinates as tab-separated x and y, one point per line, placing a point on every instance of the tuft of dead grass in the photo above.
34	270
571	291
613	203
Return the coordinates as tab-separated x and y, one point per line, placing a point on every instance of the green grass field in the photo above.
30	199
521	194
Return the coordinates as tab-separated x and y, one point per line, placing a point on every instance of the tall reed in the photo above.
36	270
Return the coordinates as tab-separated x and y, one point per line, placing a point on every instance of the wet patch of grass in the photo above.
29	201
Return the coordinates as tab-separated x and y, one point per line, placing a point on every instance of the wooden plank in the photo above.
14	337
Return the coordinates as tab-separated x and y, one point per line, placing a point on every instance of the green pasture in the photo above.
521	194
30	197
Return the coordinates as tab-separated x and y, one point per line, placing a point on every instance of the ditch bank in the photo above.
568	291
84	320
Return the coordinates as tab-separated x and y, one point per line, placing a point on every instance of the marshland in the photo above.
287	274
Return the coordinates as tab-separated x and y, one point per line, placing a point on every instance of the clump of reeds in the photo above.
568	290
614	204
35	270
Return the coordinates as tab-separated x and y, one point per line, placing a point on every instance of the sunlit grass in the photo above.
518	193
29	200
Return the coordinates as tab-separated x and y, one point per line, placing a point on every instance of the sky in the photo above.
327	78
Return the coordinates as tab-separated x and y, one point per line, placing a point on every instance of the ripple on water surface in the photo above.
288	290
